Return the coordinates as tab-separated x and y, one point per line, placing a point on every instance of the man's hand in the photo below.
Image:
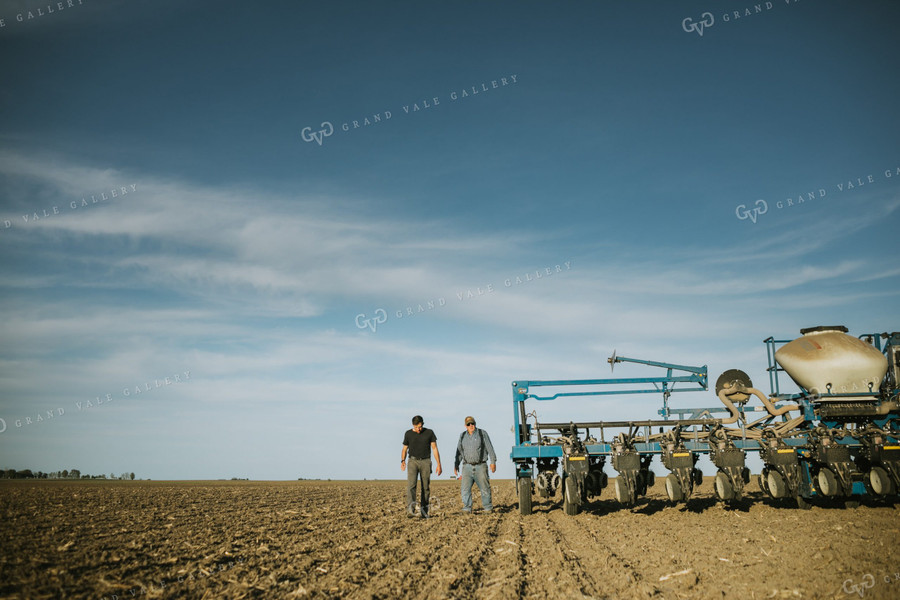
493	468
439	471
456	473
402	465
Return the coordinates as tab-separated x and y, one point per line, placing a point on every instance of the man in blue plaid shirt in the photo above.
473	450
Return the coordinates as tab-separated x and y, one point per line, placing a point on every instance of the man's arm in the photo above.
403	457
490	449
437	457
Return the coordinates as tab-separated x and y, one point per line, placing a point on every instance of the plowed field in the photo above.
354	540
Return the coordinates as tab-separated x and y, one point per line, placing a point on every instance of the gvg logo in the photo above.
860	588
867	583
706	20
319	136
744	213
380	317
434	507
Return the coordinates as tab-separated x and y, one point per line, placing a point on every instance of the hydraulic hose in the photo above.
726	391
770	406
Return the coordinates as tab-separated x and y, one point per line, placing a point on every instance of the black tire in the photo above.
592	484
570	490
868	485
524	485
696	478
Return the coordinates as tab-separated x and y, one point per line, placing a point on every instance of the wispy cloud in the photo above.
255	293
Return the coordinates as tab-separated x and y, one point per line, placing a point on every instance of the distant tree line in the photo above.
65	474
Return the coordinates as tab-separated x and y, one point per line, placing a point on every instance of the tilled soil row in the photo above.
308	539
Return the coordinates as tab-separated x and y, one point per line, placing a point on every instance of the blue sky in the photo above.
624	143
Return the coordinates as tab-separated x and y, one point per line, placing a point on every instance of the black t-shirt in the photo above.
419	443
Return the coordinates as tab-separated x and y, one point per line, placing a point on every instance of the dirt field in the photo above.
354	540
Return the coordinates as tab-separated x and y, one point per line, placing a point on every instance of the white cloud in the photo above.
261	292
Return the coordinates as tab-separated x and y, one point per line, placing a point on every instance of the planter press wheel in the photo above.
623	495
673	488
724	489
524	485
827	482
570	491
776	485
879	482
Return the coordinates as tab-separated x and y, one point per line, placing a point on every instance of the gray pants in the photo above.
414	469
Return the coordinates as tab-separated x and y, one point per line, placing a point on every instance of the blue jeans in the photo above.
477	474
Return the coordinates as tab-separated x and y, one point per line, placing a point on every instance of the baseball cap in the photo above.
470	420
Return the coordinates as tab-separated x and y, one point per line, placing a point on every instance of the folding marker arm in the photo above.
663	384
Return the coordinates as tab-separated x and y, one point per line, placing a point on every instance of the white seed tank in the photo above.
827	360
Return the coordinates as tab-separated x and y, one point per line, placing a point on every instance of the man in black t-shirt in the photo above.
419	442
